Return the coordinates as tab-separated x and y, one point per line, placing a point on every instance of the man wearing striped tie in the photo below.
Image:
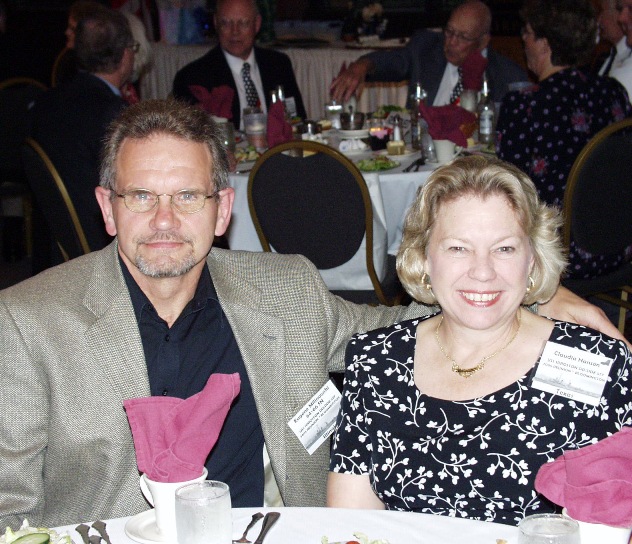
251	72
434	59
615	25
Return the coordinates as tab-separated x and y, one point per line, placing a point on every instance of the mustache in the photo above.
163	237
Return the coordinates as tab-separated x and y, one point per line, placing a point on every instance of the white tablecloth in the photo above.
391	192
314	69
309	525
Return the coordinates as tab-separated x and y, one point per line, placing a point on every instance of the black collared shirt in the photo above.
181	359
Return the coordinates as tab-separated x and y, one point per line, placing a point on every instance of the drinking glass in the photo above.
548	529
255	127
203	514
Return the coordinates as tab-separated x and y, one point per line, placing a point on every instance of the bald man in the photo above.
433	59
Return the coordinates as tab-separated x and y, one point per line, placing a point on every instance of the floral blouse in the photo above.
542	131
473	458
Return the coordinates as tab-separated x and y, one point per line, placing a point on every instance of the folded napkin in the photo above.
173	437
278	130
218	101
449	122
472	71
594	483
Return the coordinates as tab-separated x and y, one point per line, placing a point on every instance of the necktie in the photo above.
251	92
608	65
458	88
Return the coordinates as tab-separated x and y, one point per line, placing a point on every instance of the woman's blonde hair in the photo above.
482	177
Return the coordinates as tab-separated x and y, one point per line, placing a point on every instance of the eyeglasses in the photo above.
459	36
134	46
240	24
185	201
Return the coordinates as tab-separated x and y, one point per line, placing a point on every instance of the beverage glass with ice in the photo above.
203	513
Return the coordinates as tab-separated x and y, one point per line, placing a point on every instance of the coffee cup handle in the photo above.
145	490
457	150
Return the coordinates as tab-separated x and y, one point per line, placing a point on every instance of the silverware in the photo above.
83	531
242	171
420	163
270	519
100	526
415	164
94	539
255	518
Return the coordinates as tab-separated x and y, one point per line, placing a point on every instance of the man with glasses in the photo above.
156	313
433	59
251	72
70	120
621	68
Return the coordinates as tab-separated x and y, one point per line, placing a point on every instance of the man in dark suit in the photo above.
237	23
433	59
70	120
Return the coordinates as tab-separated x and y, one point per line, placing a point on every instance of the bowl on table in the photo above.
352	120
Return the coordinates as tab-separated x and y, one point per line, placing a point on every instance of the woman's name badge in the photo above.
572	373
315	421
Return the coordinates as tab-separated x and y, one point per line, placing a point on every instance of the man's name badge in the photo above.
572	373
314	422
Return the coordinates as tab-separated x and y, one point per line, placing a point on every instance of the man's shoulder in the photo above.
211	57
510	69
270	55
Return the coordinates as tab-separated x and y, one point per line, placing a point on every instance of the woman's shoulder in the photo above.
587	339
407	327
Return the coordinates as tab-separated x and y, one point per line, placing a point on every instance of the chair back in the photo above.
599	192
54	201
307	198
17	96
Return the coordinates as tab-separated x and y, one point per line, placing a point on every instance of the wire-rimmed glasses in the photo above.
185	201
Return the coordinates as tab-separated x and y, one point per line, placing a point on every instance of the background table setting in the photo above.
310	525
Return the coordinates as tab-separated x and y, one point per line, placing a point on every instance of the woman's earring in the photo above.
531	284
425	283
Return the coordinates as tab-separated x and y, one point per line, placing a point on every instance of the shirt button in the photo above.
165	392
167	337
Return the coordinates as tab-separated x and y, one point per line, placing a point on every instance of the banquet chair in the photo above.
597	211
53	200
307	198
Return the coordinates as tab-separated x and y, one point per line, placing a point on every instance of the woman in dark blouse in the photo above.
543	129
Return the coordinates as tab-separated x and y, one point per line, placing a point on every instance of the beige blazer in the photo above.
71	353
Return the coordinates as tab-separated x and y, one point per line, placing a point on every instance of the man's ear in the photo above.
103	198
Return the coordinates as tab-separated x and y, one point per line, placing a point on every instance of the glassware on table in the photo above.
426	144
548	529
379	134
332	113
469	100
203	513
227	131
255	128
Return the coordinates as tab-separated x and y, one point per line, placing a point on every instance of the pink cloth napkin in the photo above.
472	71
173	437
218	101
448	122
278	130
594	483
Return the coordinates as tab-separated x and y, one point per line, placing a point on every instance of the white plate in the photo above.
406	153
142	528
363	133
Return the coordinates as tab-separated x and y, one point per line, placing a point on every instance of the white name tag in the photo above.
572	373
315	421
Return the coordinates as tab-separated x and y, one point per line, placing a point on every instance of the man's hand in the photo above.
567	306
352	79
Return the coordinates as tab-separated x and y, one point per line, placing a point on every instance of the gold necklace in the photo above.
467	372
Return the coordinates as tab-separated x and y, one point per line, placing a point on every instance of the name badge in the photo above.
572	373
315	421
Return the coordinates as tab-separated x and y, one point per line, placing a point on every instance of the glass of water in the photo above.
203	513
548	529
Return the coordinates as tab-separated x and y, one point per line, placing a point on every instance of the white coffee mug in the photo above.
446	150
595	533
162	496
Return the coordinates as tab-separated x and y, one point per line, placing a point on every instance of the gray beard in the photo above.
165	270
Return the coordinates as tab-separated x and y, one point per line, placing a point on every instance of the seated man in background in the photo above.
251	72
70	121
433	59
621	68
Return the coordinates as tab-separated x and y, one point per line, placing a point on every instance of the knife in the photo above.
268	521
100	526
83	531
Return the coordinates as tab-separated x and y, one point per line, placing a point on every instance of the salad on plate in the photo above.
376	164
33	535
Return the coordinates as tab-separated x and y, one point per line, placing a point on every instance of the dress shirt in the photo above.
621	69
181	358
113	88
236	64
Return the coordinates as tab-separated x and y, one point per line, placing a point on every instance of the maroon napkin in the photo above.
173	437
594	483
449	122
472	71
218	101
278	130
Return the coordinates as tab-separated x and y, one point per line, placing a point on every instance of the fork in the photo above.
255	518
416	163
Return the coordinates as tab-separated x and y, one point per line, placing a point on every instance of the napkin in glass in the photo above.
472	71
278	130
594	483
218	101
449	122
173	437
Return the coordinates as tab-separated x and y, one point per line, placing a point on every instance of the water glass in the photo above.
203	513
255	127
548	529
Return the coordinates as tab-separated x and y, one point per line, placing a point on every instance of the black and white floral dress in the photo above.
476	458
